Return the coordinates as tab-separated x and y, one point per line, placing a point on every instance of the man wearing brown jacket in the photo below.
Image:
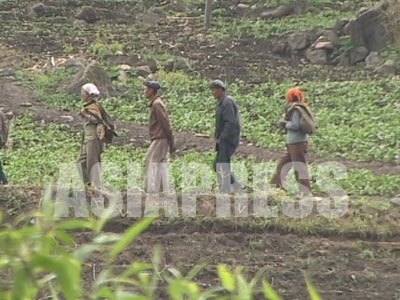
3	140
162	141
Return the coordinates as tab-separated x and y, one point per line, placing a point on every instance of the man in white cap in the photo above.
162	141
93	133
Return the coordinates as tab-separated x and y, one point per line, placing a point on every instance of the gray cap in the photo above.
153	84
217	84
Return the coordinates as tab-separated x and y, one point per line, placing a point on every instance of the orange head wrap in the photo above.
295	95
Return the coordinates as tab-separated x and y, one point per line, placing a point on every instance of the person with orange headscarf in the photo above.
296	143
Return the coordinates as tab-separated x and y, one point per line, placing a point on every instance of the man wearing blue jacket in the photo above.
227	136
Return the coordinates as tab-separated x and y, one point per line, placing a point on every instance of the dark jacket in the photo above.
3	130
227	126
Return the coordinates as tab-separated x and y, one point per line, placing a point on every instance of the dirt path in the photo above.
13	96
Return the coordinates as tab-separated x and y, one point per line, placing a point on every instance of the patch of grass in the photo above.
258	28
391	53
364	182
392	13
51	88
100	50
368	254
39	151
158	56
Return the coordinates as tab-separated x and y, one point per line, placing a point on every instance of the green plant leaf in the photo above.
195	271
243	287
137	268
65	237
67	269
269	292
75	224
107	238
181	289
129	236
23	285
175	272
312	290
85	251
124	295
106	293
227	278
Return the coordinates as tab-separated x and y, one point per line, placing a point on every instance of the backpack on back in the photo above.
307	121
109	127
107	123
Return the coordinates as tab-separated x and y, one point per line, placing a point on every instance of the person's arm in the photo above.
230	118
2	130
91	115
163	118
294	123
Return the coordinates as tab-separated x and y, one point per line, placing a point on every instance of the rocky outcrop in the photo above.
87	14
369	29
93	73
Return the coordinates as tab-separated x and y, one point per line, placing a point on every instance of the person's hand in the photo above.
83	114
9	115
282	124
217	142
172	151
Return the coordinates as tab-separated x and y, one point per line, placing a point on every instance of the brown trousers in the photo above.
295	157
156	173
90	162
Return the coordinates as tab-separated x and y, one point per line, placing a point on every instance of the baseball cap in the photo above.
217	84
153	84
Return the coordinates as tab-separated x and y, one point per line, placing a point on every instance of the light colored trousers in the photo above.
156	173
90	162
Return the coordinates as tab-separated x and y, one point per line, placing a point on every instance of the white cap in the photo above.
91	89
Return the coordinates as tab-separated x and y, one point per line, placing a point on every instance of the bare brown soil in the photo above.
340	268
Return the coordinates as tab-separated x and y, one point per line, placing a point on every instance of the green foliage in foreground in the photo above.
39	150
43	260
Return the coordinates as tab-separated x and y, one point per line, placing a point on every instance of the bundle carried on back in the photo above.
298	102
106	131
308	123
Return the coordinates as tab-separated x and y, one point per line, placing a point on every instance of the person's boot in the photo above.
3	180
305	187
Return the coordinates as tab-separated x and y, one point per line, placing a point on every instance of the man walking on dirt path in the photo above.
3	140
162	141
93	134
227	136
